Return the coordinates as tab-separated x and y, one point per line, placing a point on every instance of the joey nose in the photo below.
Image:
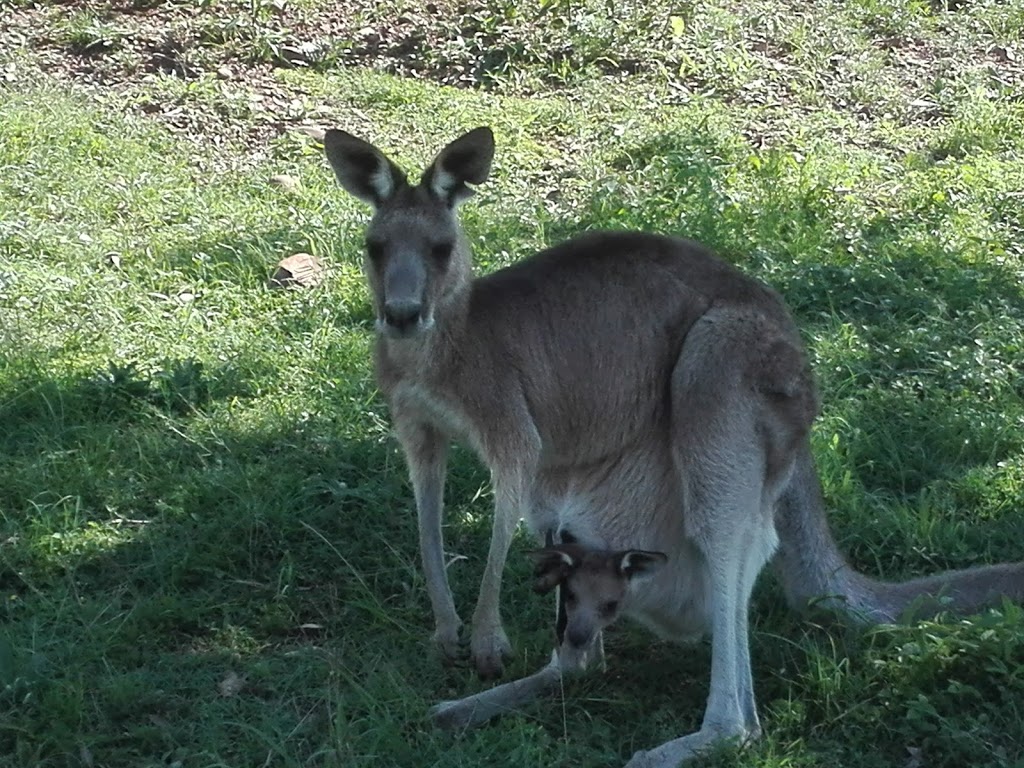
577	638
402	315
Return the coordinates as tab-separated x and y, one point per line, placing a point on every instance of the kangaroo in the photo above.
631	393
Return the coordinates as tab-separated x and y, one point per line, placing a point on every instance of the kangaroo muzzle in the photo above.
404	310
579	636
402	316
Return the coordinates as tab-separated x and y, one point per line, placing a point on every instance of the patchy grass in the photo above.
207	544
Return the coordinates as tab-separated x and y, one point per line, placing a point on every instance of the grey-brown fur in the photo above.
631	389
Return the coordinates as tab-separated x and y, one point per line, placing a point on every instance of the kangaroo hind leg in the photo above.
730	444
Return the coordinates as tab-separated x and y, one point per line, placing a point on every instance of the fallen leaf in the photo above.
315	133
231	685
286	183
300	270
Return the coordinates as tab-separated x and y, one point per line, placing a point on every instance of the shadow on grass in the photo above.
163	448
150	544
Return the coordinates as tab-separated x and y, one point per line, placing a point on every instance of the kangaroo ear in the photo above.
639	564
361	168
467	160
553	565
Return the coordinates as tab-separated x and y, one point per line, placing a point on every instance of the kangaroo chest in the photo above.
414	399
411	394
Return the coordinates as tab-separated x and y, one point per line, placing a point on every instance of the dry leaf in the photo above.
300	270
315	133
231	685
286	183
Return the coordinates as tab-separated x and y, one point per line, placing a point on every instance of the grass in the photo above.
207	543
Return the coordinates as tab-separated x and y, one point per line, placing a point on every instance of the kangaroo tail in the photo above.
963	592
812	571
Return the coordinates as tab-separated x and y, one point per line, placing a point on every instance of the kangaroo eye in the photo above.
609	608
441	252
570	596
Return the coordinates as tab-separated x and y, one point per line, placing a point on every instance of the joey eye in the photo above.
609	608
441	253
374	249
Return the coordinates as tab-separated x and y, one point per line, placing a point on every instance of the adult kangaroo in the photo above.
632	395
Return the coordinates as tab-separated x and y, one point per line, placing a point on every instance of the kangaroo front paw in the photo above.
450	643
489	649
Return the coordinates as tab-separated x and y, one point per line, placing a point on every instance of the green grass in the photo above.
197	479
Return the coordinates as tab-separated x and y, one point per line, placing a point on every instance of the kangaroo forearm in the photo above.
481	707
427	458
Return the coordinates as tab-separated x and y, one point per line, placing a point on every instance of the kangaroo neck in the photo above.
427	355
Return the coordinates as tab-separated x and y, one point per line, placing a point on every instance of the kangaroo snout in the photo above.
578	637
402	316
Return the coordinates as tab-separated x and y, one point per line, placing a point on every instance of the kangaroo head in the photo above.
416	255
593	583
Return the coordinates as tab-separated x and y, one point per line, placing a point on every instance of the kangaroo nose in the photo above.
577	638
402	315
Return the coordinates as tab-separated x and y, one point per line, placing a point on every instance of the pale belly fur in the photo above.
632	501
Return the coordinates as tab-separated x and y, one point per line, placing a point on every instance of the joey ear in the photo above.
361	168
553	565
640	564
467	160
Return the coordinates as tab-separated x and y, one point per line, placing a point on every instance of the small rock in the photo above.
224	72
300	270
286	183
